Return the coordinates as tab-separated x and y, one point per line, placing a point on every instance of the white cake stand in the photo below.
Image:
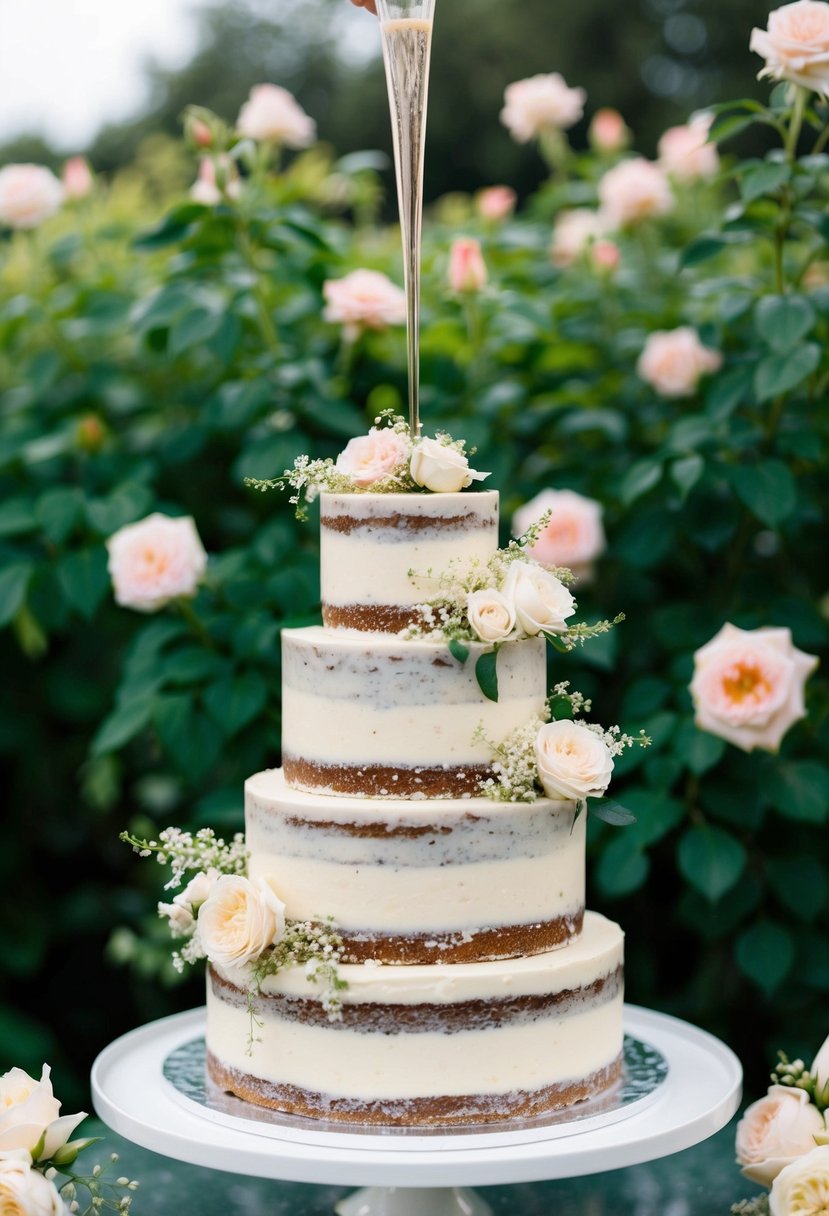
417	1174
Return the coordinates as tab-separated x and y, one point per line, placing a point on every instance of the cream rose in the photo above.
273	114
574	537
30	1113
369	458
29	194
748	686
442	469
155	561
24	1191
673	361
491	615
686	153
539	105
542	602
573	234
802	1187
573	761
796	45
467	269
774	1131
633	191
239	921
364	299
496	203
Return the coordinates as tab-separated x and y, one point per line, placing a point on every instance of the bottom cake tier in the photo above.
433	1045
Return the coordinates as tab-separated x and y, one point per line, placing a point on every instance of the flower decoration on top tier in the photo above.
748	686
795	45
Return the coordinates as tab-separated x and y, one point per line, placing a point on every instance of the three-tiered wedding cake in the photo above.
478	988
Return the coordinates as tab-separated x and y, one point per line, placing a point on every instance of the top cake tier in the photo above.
383	554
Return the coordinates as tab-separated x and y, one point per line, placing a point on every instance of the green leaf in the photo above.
610	812
458	650
125	505
728	390
765	953
84	579
768	489
685	473
697	750
623	867
556	643
14	582
172	228
233	703
123	724
193	329
58	511
17	516
711	860
701	249
656	814
781	321
800	885
724	128
486	673
799	789
639	479
778	374
767	178
191	740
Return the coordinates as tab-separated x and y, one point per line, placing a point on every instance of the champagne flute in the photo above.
406	30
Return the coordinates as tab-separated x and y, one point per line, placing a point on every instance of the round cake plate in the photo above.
414	1174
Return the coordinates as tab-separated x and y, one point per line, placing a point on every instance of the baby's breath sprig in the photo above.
578	634
615	740
101	1194
758	1206
183	851
318	948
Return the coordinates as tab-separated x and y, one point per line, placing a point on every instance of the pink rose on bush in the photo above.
467	269
29	194
775	1131
574	537
606	256
77	177
370	458
796	45
686	153
539	105
748	686
573	232
154	561
633	191
207	189
273	114
364	299
496	203
608	131
673	361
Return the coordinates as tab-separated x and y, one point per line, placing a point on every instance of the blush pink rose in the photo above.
154	561
796	45
608	131
686	153
573	233
606	256
207	189
274	115
467	269
748	686
77	177
370	458
574	537
364	299
633	191
29	194
496	203
673	361
539	105
775	1131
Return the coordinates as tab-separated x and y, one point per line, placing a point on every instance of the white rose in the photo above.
441	469
272	113
24	1191
774	1131
491	615
239	921
30	1112
542	602
802	1188
155	561
29	194
198	890
796	45
573	761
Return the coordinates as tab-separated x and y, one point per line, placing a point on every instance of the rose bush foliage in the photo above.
149	367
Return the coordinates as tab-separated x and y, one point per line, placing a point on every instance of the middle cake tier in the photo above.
373	715
463	880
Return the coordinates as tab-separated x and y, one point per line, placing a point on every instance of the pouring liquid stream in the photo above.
407	45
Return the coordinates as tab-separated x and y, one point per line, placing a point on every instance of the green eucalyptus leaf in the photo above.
768	489
781	321
711	859
486	673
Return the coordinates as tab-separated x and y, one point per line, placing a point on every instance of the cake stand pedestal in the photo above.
415	1173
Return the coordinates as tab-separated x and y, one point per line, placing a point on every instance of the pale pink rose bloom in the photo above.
273	114
686	152
573	232
748	686
77	177
673	361
606	255
496	203
154	561
608	131
573	538
369	458
364	299
29	194
632	191
467	269
205	188
539	105
796	45
802	1187
774	1131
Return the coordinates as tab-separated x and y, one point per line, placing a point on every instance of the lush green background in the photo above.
154	352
